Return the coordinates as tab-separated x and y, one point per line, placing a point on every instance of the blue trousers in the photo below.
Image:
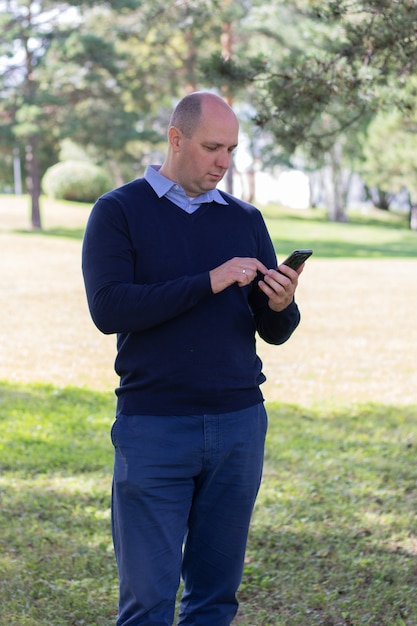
184	488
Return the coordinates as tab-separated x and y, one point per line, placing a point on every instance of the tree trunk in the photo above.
413	216
118	177
337	184
34	183
251	184
379	198
229	180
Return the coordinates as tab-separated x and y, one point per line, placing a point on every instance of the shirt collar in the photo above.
162	185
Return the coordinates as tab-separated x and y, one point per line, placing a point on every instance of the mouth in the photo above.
216	177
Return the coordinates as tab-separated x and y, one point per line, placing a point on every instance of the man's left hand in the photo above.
280	286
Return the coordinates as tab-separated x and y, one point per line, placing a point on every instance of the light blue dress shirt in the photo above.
163	186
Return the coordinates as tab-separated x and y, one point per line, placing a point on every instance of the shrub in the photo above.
79	181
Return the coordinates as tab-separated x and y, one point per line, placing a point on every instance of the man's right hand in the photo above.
240	270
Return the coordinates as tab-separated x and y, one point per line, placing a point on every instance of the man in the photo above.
185	275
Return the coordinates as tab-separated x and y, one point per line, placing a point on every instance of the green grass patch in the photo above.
334	535
375	234
370	233
56	558
45	429
58	231
333	539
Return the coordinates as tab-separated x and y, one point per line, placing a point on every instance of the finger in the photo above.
245	275
287	279
277	282
249	263
284	270
266	289
249	268
260	267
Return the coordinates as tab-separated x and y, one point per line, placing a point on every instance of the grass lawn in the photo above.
334	533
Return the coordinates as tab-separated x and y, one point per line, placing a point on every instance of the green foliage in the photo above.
333	534
71	151
389	153
107	74
65	62
80	181
6	169
332	64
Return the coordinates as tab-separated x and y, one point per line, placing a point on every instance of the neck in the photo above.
166	171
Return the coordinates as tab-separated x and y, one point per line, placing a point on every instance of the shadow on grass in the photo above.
331	577
334	533
375	219
59	231
404	248
361	237
61	429
56	561
322	248
56	558
351	249
333	539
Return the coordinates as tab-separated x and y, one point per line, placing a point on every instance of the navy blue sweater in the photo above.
181	349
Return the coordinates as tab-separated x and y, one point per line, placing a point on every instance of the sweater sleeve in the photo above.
117	304
277	327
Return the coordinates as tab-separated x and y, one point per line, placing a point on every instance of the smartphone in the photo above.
297	258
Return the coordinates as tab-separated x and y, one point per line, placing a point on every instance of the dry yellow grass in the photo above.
356	342
357	339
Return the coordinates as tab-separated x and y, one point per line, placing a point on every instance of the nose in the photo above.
223	159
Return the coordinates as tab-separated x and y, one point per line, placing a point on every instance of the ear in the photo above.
175	137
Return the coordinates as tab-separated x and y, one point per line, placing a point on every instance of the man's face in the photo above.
203	159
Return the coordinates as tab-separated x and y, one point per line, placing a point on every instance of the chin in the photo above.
211	185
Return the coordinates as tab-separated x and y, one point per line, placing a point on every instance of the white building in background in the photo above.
293	190
290	188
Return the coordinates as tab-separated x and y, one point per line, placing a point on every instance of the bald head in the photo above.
202	136
189	111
